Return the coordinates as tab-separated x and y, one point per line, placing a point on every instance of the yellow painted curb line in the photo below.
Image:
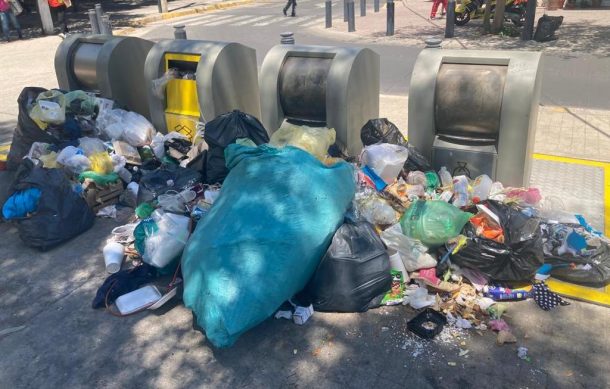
599	296
604	165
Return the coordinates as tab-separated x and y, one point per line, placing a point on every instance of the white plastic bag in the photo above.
158	145
137	131
67	153
169	241
413	253
159	84
78	163
110	123
385	159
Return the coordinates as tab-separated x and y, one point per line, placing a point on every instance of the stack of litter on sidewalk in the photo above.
243	227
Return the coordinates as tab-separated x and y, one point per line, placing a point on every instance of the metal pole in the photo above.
345	10
287	38
390	18
376	5
163	8
530	16
106	26
362	7
329	14
351	17
450	21
99	12
179	32
95	27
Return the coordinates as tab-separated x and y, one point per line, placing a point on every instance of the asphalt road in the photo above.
580	81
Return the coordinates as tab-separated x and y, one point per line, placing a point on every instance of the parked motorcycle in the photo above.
514	11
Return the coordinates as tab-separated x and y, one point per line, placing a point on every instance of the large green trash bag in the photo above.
263	238
433	222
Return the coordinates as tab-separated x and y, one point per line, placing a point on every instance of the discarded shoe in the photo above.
428	276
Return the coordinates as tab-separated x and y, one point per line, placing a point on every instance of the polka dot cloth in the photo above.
545	298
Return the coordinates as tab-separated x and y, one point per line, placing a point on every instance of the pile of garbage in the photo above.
243	227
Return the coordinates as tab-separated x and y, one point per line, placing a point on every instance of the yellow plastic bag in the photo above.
314	140
101	163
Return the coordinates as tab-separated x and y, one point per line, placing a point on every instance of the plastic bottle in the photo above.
499	293
481	188
460	191
446	179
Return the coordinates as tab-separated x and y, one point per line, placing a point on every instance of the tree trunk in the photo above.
487	17
45	17
499	16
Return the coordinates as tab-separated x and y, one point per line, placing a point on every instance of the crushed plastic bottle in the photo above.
446	179
481	188
460	191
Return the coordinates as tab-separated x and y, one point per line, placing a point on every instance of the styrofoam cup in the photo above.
113	256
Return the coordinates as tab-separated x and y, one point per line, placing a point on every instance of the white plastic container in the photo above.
138	299
385	159
481	188
113	256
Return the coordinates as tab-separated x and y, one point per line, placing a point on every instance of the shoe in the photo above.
428	277
284	11
293	15
19	34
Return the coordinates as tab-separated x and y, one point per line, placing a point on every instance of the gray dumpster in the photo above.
215	78
336	87
475	111
111	66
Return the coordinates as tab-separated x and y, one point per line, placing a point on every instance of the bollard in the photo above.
99	12
287	38
351	17
179	32
329	14
106	27
433	43
390	18
345	10
95	27
530	14
450	21
376	5
362	7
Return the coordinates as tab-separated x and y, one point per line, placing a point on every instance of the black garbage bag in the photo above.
353	275
381	131
547	25
221	132
27	131
517	259
167	178
61	214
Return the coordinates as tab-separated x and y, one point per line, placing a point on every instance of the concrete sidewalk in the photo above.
582	32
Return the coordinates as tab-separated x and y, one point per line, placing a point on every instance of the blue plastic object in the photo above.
263	238
21	203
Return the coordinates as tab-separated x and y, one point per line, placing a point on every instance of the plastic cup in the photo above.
113	256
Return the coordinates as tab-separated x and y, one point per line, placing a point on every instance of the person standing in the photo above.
435	5
58	11
7	15
288	4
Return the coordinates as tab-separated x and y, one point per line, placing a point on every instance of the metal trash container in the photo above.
475	111
110	66
336	87
215	78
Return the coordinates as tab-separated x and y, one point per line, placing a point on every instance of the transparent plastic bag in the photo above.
110	123
314	140
159	84
385	159
91	146
413	253
162	246
372	208
137	131
78	163
38	149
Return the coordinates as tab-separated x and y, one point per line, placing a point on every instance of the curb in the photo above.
140	22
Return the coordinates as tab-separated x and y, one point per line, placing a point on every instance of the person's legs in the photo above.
15	23
5	27
434	8
62	18
294	4
286	7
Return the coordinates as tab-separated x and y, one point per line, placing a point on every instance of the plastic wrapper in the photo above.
517	259
137	131
314	140
168	241
413	253
101	163
373	209
433	222
354	274
260	244
385	159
